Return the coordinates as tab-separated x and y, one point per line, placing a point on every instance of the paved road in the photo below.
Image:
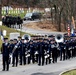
40	32
34	69
35	31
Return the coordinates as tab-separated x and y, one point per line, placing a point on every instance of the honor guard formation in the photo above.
41	50
12	21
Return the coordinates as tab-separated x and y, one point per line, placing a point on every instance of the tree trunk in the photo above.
59	26
0	13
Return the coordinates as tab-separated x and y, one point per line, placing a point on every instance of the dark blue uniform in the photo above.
41	53
68	55
46	46
11	46
31	48
5	55
36	51
22	50
28	53
54	52
15	56
49	52
62	51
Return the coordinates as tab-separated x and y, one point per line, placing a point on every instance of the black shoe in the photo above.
49	62
38	64
24	64
16	65
7	70
3	69
43	64
12	65
20	64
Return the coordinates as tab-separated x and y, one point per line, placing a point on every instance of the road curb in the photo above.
67	71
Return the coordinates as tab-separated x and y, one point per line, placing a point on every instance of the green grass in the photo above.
10	30
72	72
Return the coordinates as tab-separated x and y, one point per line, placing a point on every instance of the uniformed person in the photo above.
19	21
28	51
22	50
36	49
68	55
49	50
54	51
62	51
11	46
32	51
41	52
5	54
15	54
46	47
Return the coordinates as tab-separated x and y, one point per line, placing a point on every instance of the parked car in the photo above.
32	16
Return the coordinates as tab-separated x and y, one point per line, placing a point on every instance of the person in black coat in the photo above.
62	51
5	54
27	51
54	51
22	50
41	52
49	51
11	46
15	54
46	47
31	48
36	50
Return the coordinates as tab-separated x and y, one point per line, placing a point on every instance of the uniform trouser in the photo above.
15	58
29	60
36	58
73	53
5	62
54	59
32	58
41	57
22	59
54	55
62	54
48	59
69	54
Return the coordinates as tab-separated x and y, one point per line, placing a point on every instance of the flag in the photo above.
68	30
